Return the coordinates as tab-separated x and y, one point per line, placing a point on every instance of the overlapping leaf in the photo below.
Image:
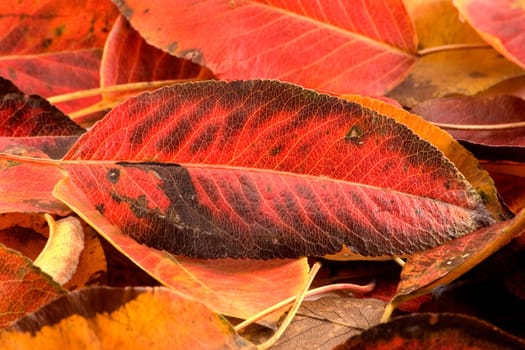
271	170
24	287
492	121
239	288
146	64
50	48
434	332
340	47
452	58
500	23
130	318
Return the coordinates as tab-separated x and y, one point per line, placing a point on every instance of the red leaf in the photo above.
340	47
212	212
499	118
500	23
50	26
146	64
296	173
55	74
239	288
24	288
22	115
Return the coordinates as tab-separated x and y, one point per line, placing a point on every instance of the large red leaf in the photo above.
272	170
239	288
22	115
501	23
340	47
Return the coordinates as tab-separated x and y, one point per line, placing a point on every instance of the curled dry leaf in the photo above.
128	318
24	287
253	183
60	257
339	47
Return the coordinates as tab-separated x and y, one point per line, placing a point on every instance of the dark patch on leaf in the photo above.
276	150
354	135
113	175
100	207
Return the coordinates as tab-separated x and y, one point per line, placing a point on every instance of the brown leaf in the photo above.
492	121
326	322
130	318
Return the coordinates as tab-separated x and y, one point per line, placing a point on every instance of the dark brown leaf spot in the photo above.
113	175
354	135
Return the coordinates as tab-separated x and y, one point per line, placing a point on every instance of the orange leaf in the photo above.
129	318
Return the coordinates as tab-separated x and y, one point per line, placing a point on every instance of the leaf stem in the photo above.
291	314
452	47
481	126
311	293
113	88
30	160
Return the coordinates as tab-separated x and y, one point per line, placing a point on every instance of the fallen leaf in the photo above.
239	288
24	288
335	47
425	270
24	232
23	115
448	72
433	332
437	23
147	63
230	180
512	190
325	323
494	121
130	318
466	163
500	24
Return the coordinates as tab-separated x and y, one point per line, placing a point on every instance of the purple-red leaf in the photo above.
269	170
340	47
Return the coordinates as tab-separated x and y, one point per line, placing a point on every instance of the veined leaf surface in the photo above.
263	169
